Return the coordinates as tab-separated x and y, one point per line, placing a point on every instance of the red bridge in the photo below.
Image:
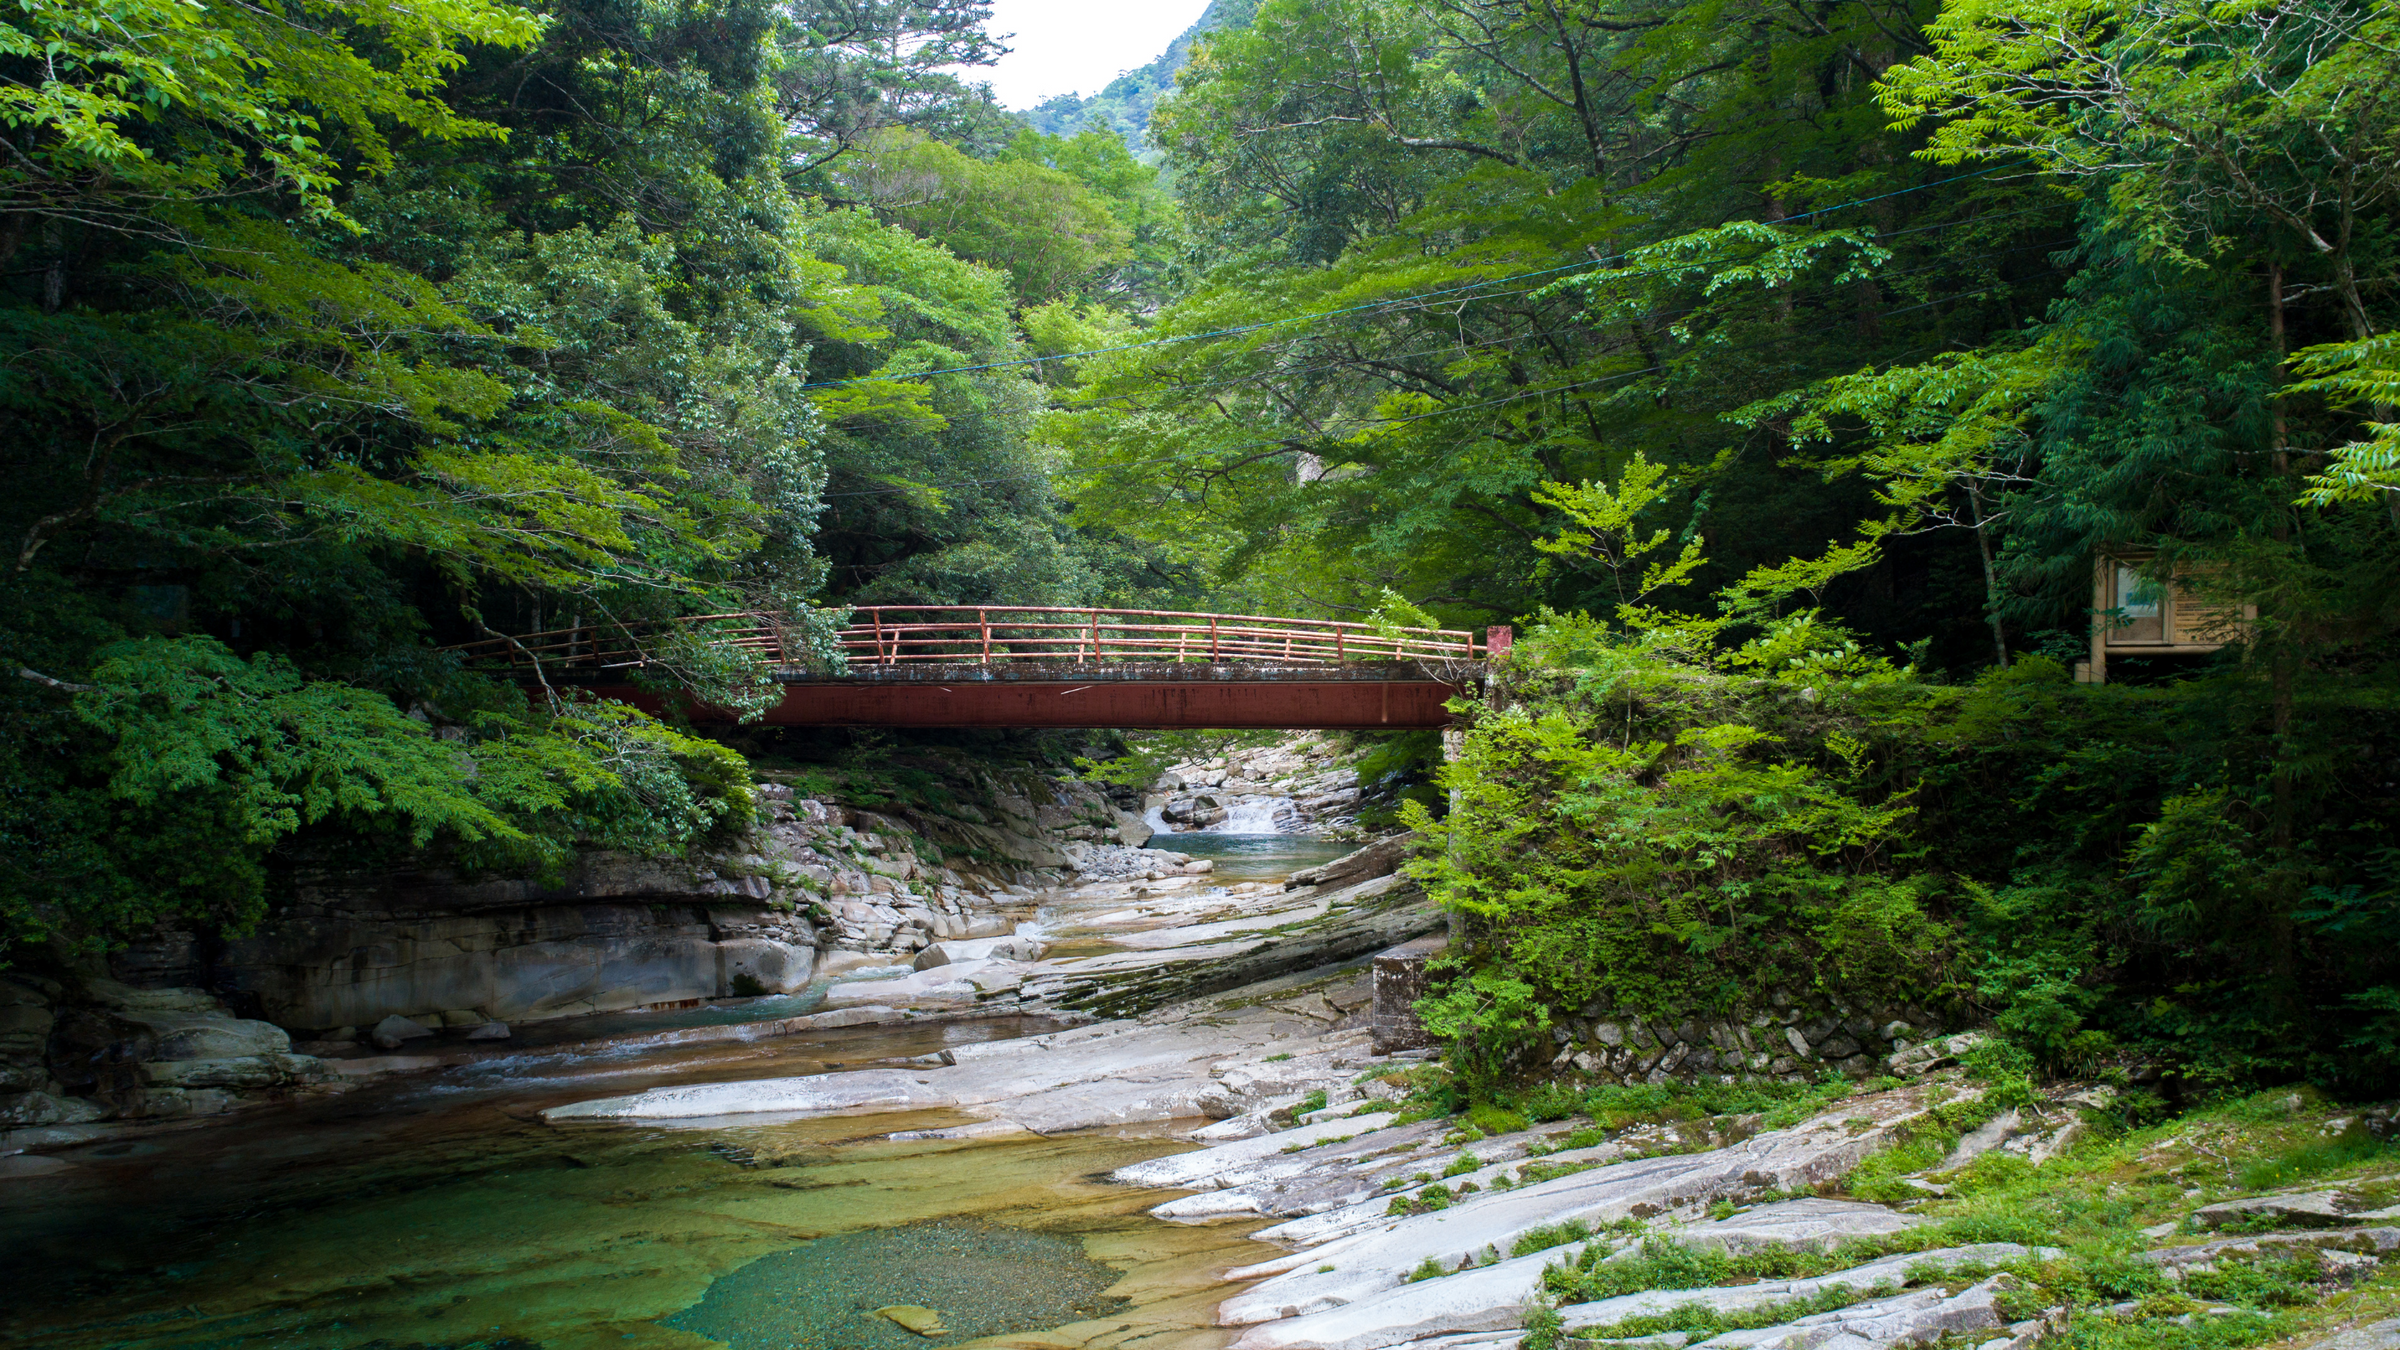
994	666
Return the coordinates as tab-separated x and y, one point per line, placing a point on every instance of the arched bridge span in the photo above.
995	666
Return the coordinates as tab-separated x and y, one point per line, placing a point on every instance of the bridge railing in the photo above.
983	634
890	635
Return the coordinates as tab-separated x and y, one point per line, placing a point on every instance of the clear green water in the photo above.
443	1213
983	1278
1253	857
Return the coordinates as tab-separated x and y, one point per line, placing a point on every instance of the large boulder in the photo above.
1012	948
393	1031
185	1036
41	1108
109	1052
247	1073
776	967
1379	859
1132	831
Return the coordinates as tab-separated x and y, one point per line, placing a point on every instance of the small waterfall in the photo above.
1255	815
1243	815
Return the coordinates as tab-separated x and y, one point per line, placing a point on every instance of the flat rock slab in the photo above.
956	984
1209	1168
1198	935
2367	1241
1108	1073
1891	1271
831	1094
2308	1208
1492	1298
1352	1189
1907	1319
1799	1158
1808	1225
2373	1336
1486	1298
1361	1201
2319	1208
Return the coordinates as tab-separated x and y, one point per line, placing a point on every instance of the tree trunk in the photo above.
1991	576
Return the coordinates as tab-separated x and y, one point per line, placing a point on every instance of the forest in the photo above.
1783	371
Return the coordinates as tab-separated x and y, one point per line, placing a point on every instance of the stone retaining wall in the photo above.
1784	1040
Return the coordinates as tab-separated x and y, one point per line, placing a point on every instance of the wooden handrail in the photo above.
912	634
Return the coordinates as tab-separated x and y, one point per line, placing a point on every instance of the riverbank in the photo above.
437	1208
1248	1172
417	968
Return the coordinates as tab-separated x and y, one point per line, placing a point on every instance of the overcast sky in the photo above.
1078	46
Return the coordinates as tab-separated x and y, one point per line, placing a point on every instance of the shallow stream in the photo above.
439	1211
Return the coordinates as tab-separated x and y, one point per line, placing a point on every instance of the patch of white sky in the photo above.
1077	46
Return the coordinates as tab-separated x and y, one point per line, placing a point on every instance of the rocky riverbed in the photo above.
1166	1096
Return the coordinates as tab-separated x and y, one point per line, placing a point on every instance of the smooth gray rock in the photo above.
1493	1297
1814	1151
26	1166
243	1073
1933	1054
1244	1160
2383	1335
1905	1319
1378	859
206	1037
1811	1224
1990	1135
21	1109
2304	1209
835	1094
1111	1073
953	950
490	1031
24	1027
1891	1271
126	998
777	967
1484	1298
392	1031
2367	1241
961	984
616	932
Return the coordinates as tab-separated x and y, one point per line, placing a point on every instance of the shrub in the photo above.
1495	1119
1550	1235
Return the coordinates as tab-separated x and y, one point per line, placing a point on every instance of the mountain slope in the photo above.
1125	104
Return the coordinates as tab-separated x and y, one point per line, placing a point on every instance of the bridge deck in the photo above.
1057	668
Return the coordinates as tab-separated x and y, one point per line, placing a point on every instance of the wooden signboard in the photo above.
2134	613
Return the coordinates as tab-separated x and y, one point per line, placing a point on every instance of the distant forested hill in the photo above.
1125	104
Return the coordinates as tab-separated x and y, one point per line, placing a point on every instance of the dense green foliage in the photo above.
1672	836
333	336
1785	370
1790	371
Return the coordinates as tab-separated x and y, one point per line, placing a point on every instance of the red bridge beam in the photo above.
1392	695
1291	706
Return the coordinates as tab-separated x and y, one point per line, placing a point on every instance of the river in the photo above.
438	1211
